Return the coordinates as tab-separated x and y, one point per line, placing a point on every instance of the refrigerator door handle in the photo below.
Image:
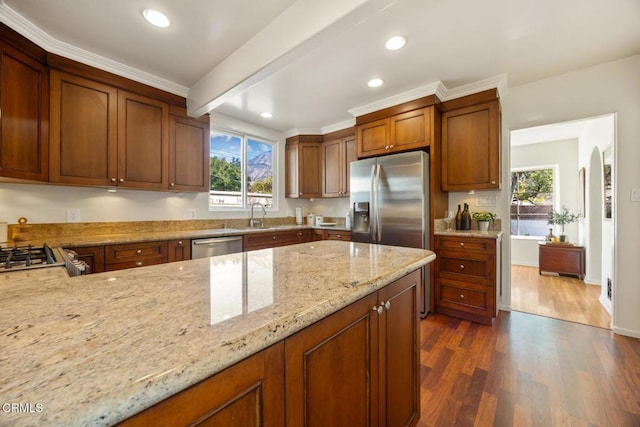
378	235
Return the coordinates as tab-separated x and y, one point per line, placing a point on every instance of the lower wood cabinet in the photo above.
178	250
254	241
466	277
359	366
356	367
249	393
131	255
561	259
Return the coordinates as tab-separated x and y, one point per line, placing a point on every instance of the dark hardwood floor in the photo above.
527	370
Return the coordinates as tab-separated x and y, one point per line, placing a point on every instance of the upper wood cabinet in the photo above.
104	136
188	152
471	143
338	153
400	132
24	108
303	167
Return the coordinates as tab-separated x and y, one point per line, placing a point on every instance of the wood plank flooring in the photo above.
565	298
527	370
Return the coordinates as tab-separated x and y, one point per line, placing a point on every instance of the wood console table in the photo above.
562	259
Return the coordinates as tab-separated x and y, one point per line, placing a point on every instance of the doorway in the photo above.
581	155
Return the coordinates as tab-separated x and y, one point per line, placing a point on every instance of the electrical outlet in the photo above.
192	214
73	215
635	194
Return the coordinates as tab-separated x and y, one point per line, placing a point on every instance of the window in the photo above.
531	201
241	171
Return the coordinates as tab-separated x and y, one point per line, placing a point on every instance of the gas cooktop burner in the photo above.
25	256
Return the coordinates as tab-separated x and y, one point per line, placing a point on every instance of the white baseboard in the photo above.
626	332
606	303
525	264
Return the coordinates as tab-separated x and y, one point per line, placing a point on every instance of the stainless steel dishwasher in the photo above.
204	248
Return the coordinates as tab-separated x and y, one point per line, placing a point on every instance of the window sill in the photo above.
527	237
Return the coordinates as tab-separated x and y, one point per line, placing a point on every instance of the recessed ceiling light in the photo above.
395	43
266	115
375	82
156	18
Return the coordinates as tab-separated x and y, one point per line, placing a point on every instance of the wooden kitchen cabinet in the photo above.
471	143
188	151
254	241
303	167
406	131
103	136
561	259
354	367
338	153
344	235
93	256
131	255
466	277
24	120
178	250
249	393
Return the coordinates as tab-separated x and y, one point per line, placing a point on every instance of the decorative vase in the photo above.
563	238
483	225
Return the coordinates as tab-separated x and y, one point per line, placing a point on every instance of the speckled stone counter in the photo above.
94	350
491	234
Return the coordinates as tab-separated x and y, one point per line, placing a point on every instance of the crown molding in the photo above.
338	126
436	88
302	131
19	24
499	82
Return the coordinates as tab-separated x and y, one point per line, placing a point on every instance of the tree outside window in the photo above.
531	201
241	171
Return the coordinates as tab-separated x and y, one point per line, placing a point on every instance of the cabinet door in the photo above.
24	104
291	167
310	170
83	131
399	354
93	256
331	369
471	148
350	154
188	154
178	250
411	130
143	142
249	393
373	138
332	177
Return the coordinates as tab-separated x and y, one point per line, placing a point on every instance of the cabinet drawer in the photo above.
135	252
465	243
134	264
270	240
476	299
337	235
463	266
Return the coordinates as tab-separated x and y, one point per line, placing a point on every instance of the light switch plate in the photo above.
73	215
635	194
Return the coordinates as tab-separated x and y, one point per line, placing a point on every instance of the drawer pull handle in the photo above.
139	251
139	264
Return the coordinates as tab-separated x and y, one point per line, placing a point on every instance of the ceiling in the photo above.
317	73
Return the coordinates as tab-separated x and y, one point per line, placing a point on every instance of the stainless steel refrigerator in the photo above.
390	202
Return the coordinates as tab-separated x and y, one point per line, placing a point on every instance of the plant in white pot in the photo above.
562	218
483	218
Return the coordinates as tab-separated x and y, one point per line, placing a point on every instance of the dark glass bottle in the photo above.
459	219
466	218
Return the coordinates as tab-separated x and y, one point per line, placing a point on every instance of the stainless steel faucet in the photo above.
253	222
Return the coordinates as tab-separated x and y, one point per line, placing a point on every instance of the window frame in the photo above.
244	138
555	176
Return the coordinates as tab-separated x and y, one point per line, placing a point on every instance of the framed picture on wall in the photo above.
607	182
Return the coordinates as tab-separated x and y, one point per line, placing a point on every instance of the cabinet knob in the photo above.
386	147
139	251
387	305
462	244
179	242
139	264
339	236
461	266
173	184
378	309
121	179
274	237
461	296
391	146
493	182
113	180
299	194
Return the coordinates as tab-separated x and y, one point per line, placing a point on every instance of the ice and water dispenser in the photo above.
361	217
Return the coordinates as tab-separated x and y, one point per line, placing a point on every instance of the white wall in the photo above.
563	155
613	87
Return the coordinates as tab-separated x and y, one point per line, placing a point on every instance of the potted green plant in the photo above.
562	218
483	218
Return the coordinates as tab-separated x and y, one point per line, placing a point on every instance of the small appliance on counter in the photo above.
319	220
299	216
311	218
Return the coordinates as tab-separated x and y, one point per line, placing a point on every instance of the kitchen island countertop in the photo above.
96	349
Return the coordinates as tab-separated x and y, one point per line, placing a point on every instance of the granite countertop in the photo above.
132	237
96	349
491	234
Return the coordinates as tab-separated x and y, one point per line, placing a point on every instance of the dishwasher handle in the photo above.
215	240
